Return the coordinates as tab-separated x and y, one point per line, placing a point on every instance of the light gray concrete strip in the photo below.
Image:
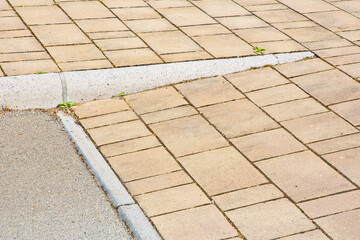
103	173
292	57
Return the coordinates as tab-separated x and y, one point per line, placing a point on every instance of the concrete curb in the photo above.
48	90
127	208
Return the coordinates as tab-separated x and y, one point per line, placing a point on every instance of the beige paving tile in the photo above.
348	6
29	67
312	235
331	204
188	135
341	60
60	34
11	23
280	16
101	25
24	56
201	223
148	101
221	170
19	3
122	4
136	13
108	119
265	7
106	35
221	8
247	196
351	35
206	91
336	144
270	220
253	3
120	43
281	46
304	176
129	146
241	22
351	69
299	24
311	34
346	162
4	6
26	44
329	87
169	114
150	25
303	67
332	52
186	16
99	107
238	118
15	33
8	13
43	15
169	4
85	65
294	109
276	94
131	57
1	73
342	226
86	9
143	164
348	110
202	30
172	199
336	20
73	53
267	144
256	79
169	42
261	34
186	56
308	6
158	182
326	44
227	45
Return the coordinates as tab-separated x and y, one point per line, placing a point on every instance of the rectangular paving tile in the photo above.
266	7
280	16
186	56
281	46
72	53
309	6
100	107
304	176
108	119
270	220
336	20
336	144
351	69
143	164
341	60
221	170
298	24
86	9
348	110
351	35
311	235
332	52
150	25
19	3
169	114
26	44
130	57
122	4
261	34
11	23
303	67
238	118
15	33
43	15
188	135
221	8
120	43
241	22
186	16
348	6
29	67
85	65
101	25
203	30
106	35
311	34
136	13
327	44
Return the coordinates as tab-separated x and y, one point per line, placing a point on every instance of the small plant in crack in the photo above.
121	94
258	50
67	104
5	108
40	72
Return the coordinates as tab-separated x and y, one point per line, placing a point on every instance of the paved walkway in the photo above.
270	153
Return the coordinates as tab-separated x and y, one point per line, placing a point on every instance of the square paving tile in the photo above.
120	43
73	53
222	170
11	23
329	87
312	235
303	67
129	57
203	30
172	199
304	176
261	34
348	110
201	223
206	91
241	22
267	144
29	67
308	6
123	4
148	101
99	107
238	118
25	44
188	135
169	42
270	220
186	16
136	13
336	144
101	25
336	20
43	15
280	16
256	79
146	163
86	9
150	25
221	8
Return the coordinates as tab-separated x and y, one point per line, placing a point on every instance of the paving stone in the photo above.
60	34
341	60
122	4
294	109
332	204
86	9
304	176
318	127
327	44
4	6
8	13
143	164
169	42
280	16
261	34
221	170
106	35
309	6
21	3
101	25
203	30
168	4
120	43
100	107
150	25
346	162
266	7
136	13
267	144
29	67
342	226
108	119
15	33
270	220
336	20
351	35
224	45
348	6
221	8
186	56
282	46
158	182
332	52
247	196
24	56
329	87
11	23
253	3
276	94
25	44
351	69
348	110
336	144
256	79
168	114
148	101
312	235
43	15
129	57
206	91
172	199
73	53
129	146
238	118
186	16
241	22
299	24
188	135
201	223
1	73
311	34
85	65
303	67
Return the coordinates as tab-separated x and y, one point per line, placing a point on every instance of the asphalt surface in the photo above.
46	190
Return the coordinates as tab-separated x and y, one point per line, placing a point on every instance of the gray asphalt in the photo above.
46	190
